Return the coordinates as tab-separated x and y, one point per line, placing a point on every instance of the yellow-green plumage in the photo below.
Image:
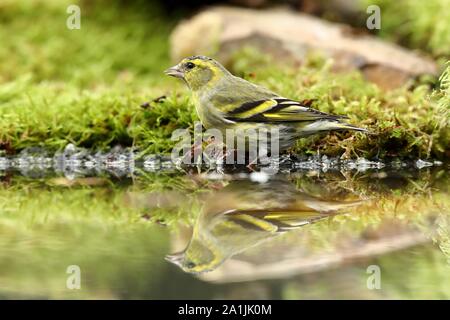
224	101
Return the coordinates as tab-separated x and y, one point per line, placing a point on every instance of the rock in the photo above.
350	11
221	31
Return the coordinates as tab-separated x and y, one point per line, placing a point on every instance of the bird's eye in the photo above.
190	65
190	265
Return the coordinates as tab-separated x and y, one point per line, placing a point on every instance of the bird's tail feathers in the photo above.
329	125
346	126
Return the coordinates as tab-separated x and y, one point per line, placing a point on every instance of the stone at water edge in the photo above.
221	31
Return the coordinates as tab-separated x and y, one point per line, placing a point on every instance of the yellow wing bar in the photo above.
277	110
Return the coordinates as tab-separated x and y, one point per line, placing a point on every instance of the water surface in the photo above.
313	228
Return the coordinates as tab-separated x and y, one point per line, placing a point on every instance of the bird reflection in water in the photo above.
245	214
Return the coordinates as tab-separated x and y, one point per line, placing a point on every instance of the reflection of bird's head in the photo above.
197	258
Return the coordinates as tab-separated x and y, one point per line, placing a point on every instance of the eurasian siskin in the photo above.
224	101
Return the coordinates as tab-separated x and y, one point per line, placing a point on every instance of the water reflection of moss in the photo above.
45	228
120	244
417	273
43	231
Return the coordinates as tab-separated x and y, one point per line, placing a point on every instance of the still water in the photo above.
81	225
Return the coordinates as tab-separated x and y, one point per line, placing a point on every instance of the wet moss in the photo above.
87	86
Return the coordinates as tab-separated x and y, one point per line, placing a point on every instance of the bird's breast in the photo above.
209	115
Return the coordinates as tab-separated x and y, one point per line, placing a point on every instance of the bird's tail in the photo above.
329	125
346	126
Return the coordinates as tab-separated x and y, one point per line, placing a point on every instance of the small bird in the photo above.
224	101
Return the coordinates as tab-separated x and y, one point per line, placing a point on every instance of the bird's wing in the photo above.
274	220
254	103
277	109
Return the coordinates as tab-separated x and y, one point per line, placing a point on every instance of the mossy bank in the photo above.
87	86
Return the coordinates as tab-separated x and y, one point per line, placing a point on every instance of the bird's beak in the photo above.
176	258
174	72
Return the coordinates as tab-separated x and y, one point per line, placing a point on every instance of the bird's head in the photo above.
198	71
197	258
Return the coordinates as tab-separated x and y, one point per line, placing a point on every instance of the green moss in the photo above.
416	24
117	43
51	116
86	87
